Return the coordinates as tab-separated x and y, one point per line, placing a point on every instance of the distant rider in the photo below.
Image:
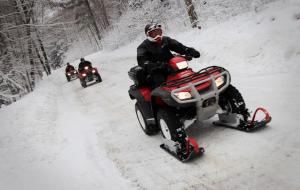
83	63
154	52
69	68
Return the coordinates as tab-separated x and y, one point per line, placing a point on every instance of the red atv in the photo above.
89	74
71	75
186	96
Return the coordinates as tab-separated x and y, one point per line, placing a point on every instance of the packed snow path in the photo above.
62	136
51	143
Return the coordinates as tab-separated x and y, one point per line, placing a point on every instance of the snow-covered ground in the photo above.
62	136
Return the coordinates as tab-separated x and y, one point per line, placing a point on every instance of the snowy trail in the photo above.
60	149
233	159
81	153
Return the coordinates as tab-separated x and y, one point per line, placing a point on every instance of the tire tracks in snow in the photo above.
82	156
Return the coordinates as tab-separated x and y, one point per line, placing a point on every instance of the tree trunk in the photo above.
92	18
41	45
40	58
24	57
26	13
191	12
30	55
47	64
104	17
92	34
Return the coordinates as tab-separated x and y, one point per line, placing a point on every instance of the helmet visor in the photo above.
154	32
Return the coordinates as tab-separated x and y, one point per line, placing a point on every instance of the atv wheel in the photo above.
232	102
169	123
83	83
99	79
149	129
68	79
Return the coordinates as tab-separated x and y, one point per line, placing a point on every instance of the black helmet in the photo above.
68	63
82	59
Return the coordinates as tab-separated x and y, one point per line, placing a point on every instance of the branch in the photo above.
13	82
39	25
5	35
66	5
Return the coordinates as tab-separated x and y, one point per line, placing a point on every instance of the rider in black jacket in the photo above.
83	63
69	68
155	51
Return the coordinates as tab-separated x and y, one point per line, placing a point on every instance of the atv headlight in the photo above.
183	95
182	65
86	67
93	71
220	81
69	74
84	75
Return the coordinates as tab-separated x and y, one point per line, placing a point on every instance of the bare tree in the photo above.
46	65
86	15
23	56
92	18
191	12
26	11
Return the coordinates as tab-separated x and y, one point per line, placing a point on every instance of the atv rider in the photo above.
154	52
69	68
83	63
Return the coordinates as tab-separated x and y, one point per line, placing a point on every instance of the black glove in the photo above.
192	52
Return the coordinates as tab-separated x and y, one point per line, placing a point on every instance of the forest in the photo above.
38	36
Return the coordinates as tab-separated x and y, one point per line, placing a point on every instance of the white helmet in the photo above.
153	32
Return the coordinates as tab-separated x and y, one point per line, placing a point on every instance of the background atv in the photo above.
88	75
188	95
71	75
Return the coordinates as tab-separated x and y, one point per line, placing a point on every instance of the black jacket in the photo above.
83	64
69	68
155	52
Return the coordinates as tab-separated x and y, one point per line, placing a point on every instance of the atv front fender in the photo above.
136	93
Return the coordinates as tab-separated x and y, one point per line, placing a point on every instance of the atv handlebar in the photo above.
187	57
